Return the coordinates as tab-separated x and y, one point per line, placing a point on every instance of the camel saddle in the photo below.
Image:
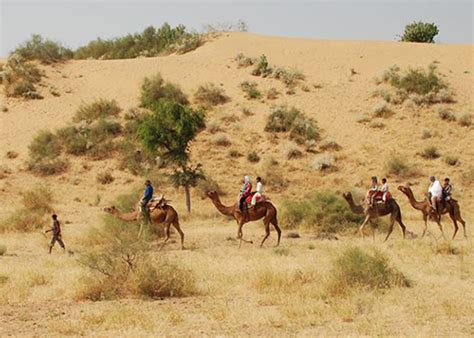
158	202
260	199
378	199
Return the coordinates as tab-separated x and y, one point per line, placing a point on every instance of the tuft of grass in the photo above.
445	114
397	165
222	141
250	88
11	154
213	126
426	134
323	212
430	152
210	95
446	248
292	121
244	61
381	109
253	157
324	162
262	67
377	125
234	153
272	174
98	109
364	119
356	269
451	160
465	120
272	94
48	167
290	77
105	177
154	89
294	153
329	145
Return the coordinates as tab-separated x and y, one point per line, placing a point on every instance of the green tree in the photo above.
168	130
420	32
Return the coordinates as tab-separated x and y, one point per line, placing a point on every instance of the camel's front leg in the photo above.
425	219
240	235
361	228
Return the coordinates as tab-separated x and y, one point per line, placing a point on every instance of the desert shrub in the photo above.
43	50
272	94
290	77
133	158
377	125
262	67
446	114
73	141
324	162
11	154
381	109
383	93
33	215
465	120
293	153
451	160
222	141
155	89
253	157
364	119
244	61
105	177
329	145
101	108
151	42
43	152
210	95
214	126
426	134
102	150
246	111
358	269
19	78
398	165
47	167
272	174
430	152
323	212
234	153
292	121
250	89
3	250
420	32
206	185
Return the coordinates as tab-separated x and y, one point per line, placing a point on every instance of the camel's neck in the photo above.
414	203
128	217
357	209
228	211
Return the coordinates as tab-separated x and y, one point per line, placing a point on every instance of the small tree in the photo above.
168	130
420	32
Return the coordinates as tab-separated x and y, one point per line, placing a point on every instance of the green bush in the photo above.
210	95
289	77
292	121
262	67
430	152
155	89
73	141
19	78
47	167
244	61
323	212
253	157
250	88
151	42
44	146
43	50
445	114
420	32
98	109
358	269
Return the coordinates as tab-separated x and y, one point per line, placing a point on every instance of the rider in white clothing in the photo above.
258	192
435	192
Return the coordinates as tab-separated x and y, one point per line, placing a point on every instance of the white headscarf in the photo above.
247	179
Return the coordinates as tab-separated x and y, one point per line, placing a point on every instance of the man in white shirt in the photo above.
384	189
259	191
435	193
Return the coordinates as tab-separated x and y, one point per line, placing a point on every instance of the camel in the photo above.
166	215
265	210
452	208
389	208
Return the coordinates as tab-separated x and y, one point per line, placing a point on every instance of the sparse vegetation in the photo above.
293	153
446	114
451	160
377	125
324	162
11	154
262	67
105	177
222	141
292	121
356	269
20	77
234	153
154	89
397	165
210	95
420	32
465	120
272	175
446	248
323	212
3	250
430	152
43	50
381	109
244	61
250	88
329	145
253	157
426	134
290	77
272	94
99	109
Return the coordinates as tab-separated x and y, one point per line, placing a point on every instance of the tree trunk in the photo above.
188	198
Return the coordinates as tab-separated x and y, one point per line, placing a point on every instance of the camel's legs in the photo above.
240	234
267	232
372	226
361	228
425	219
274	222
390	229
181	234
441	229
400	222
455	223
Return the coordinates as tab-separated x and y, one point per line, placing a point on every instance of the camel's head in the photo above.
110	210
347	196
404	188
212	194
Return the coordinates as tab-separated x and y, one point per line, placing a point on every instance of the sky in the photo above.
74	23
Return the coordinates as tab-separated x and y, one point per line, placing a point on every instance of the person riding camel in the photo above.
435	194
245	192
447	191
147	196
259	192
384	189
372	191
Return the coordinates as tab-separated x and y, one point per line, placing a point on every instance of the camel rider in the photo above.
147	196
373	191
384	189
245	192
258	192
435	193
447	191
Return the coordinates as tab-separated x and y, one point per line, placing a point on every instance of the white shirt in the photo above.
436	189
385	187
260	187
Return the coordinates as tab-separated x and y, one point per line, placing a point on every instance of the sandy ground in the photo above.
441	301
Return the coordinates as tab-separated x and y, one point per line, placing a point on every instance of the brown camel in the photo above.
166	215
265	210
389	208
452	208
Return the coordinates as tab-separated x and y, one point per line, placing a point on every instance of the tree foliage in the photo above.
420	32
